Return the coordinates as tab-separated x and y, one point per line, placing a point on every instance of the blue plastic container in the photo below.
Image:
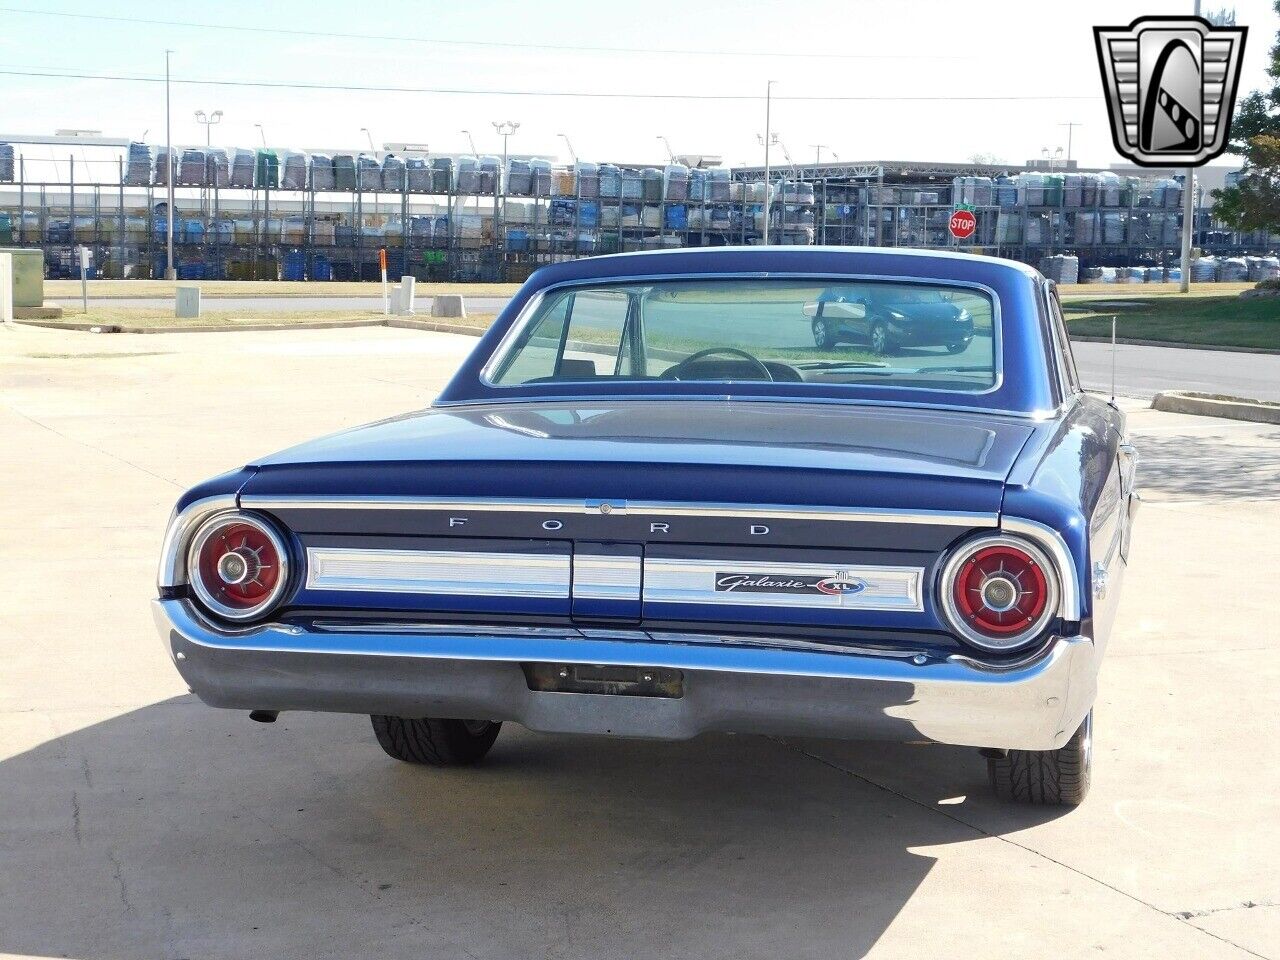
321	268
677	216
295	265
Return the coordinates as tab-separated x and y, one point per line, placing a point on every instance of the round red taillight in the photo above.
237	566
999	592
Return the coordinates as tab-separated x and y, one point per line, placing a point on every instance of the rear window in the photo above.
873	332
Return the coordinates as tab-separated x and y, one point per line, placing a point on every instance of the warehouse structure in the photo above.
242	214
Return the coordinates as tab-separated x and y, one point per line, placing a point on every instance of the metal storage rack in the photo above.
491	234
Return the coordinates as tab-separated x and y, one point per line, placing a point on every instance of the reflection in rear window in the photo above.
884	333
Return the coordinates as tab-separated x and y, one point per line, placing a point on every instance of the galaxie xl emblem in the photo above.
839	585
1171	88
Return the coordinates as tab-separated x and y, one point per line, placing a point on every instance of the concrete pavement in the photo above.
135	822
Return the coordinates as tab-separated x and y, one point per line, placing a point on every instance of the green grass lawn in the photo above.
1224	321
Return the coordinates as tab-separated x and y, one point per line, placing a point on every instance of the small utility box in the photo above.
187	302
404	304
448	305
28	276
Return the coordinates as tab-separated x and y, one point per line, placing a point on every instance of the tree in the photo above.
1253	203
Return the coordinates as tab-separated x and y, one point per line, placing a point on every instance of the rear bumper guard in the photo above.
1034	704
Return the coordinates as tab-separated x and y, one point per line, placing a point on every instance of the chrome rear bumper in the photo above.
1034	705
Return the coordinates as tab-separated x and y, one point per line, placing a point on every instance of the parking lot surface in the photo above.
136	822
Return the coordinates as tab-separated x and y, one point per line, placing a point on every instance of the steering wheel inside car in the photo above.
675	372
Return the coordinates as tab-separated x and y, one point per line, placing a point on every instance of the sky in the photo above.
859	49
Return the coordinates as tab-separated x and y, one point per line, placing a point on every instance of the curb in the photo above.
1213	405
407	323
228	328
435	326
1129	341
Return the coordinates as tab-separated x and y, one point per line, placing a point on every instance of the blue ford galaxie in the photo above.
653	503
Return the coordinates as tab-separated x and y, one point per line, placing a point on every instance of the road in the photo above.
1141	371
137	822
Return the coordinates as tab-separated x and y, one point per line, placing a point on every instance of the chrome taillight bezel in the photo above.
954	618
200	589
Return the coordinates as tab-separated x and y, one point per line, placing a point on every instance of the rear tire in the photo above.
823	337
954	348
879	338
435	742
1046	777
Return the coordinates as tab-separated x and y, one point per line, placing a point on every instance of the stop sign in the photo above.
962	224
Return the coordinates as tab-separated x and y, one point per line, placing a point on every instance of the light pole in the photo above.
262	133
504	129
169	272
670	153
1071	126
208	122
768	138
471	140
1052	158
1188	216
365	131
565	138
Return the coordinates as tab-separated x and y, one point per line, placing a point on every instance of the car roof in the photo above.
874	261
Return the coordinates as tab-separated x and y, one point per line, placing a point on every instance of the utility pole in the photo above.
169	272
817	155
768	137
1188	215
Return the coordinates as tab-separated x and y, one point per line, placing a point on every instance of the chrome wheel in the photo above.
879	339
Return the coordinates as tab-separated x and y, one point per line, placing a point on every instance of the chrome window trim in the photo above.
438	572
1070	607
173	551
529	311
620	507
955	620
202	592
581	398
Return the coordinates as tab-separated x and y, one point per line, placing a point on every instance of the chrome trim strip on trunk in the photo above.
606	577
709	581
459	573
621	507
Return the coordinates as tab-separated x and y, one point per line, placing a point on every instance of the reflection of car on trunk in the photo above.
887	318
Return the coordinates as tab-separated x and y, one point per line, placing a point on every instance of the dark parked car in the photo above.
887	317
650	505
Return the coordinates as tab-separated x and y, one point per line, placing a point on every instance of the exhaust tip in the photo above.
264	716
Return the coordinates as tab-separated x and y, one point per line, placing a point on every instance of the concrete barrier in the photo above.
448	305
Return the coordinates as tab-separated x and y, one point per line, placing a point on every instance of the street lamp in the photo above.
670	153
208	122
504	129
365	131
471	140
565	138
262	133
